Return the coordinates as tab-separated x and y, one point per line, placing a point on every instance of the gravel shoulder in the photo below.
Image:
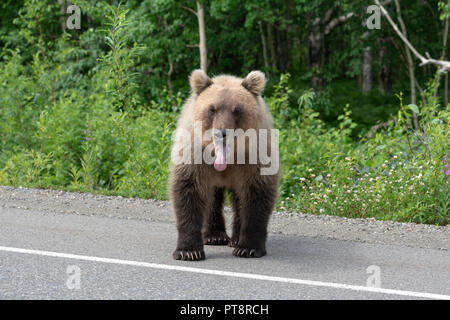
323	226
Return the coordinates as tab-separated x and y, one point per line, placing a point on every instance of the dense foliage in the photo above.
94	109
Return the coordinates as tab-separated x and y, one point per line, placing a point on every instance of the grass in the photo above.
96	135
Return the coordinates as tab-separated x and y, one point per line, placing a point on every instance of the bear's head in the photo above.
226	103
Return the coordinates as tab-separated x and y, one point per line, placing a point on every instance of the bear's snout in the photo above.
220	134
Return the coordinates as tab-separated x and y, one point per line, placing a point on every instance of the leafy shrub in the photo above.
398	174
72	118
87	136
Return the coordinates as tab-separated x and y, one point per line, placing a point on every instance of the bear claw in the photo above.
189	255
219	239
233	242
248	252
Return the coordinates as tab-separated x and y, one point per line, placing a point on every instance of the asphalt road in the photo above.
47	255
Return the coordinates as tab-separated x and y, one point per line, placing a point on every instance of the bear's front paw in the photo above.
218	238
233	242
188	255
248	252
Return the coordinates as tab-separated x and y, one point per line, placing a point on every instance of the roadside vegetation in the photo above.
93	110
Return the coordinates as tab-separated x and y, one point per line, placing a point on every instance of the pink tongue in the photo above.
220	163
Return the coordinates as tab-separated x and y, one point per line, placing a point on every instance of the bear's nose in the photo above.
220	133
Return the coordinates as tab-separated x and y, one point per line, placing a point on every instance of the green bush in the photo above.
88	135
72	118
398	174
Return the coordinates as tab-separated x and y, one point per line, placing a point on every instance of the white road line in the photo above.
228	273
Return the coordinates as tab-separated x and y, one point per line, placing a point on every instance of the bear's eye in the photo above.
237	111
211	110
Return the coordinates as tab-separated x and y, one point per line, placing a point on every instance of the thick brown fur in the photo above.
197	190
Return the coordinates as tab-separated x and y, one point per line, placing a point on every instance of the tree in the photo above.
384	67
445	8
202	35
367	74
443	65
410	62
320	28
200	14
263	43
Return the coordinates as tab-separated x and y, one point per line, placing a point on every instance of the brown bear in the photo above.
218	114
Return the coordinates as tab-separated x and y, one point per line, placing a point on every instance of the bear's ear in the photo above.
255	82
199	81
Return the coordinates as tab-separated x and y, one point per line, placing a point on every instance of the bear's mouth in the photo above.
220	162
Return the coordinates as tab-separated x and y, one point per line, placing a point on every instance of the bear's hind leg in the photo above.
214	224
